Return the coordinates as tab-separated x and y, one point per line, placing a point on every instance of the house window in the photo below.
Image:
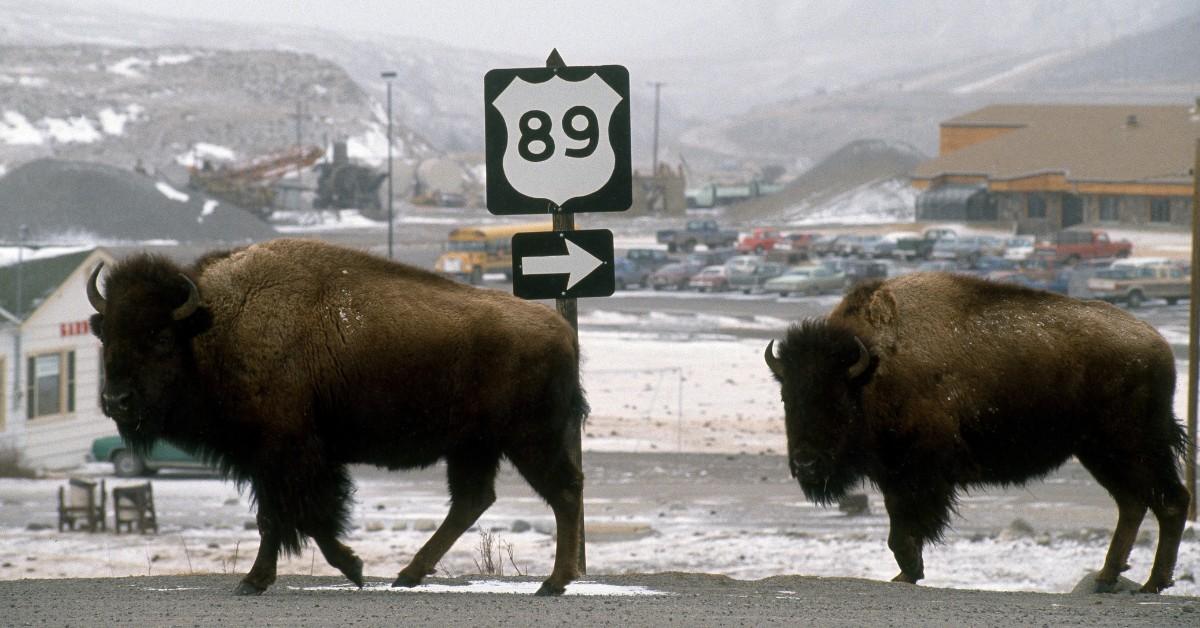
1160	210
51	384
1110	207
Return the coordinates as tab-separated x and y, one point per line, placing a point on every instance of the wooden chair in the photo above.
77	503
134	505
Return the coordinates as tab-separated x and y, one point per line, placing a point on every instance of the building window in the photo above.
1110	207
51	384
1160	210
1036	206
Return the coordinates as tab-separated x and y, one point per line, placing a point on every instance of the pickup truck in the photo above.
760	240
1133	281
1075	246
705	232
919	247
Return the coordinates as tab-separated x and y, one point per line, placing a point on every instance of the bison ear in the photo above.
197	323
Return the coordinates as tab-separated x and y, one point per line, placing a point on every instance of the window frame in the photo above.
67	375
1035	206
1160	209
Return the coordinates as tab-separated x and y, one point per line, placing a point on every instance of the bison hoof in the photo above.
406	581
905	578
354	572
548	589
1154	587
246	588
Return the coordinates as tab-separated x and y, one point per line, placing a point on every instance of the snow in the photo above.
581	587
200	151
166	190
16	129
877	202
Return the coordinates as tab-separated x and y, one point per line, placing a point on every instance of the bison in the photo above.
286	361
930	383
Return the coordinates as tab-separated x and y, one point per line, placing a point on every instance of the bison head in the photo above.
146	323
821	370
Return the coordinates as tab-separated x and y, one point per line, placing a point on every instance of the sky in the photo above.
584	26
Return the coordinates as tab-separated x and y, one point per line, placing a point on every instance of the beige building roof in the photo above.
1108	143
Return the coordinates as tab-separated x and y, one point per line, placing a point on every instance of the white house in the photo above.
50	373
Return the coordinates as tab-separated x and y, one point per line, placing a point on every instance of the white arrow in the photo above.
578	262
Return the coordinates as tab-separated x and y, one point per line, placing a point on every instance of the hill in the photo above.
73	202
863	181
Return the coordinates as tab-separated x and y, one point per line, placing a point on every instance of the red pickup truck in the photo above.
760	240
1074	246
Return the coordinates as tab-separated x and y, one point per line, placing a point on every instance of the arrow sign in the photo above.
577	263
563	264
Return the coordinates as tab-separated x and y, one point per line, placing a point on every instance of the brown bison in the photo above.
284	362
928	383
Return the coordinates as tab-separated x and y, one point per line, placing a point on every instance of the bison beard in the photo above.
932	382
287	361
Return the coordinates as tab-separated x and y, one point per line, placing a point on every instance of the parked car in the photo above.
129	463
710	279
760	240
648	259
694	232
793	249
912	247
823	244
743	263
753	280
1134	280
937	266
627	273
809	279
861	270
1019	247
966	250
711	257
878	245
674	275
1074	246
848	245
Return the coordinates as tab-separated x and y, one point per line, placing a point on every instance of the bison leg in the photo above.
341	557
1153	483
1170	508
472	480
560	483
914	520
262	574
1129	519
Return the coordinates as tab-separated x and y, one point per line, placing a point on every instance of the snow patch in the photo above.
171	192
16	129
494	586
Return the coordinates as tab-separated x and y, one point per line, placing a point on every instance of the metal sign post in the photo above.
1193	341
557	142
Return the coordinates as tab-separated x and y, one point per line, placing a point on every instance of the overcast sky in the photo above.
584	27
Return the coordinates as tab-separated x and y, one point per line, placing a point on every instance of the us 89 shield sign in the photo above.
557	139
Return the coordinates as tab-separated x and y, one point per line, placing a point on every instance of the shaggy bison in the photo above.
284	362
928	383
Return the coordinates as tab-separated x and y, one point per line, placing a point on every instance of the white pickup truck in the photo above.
1132	281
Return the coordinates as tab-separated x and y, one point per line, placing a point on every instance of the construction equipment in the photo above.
250	185
345	185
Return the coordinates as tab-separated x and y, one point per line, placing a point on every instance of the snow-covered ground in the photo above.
657	383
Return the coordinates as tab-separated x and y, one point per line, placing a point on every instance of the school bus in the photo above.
470	252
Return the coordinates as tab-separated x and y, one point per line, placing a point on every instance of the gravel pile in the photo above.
82	202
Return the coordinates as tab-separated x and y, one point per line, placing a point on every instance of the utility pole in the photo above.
1193	341
654	161
388	76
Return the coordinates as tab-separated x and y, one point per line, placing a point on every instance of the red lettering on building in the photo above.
76	328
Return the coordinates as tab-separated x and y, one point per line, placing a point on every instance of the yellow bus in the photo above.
470	252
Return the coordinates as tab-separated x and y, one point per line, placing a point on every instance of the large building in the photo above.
1049	167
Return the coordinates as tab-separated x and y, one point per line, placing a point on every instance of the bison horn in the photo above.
93	293
189	306
773	361
864	359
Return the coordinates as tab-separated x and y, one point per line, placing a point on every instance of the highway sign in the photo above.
563	264
557	139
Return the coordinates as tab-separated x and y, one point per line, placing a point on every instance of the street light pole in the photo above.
654	161
388	76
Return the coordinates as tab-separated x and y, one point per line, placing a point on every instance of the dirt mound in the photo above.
73	201
861	173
